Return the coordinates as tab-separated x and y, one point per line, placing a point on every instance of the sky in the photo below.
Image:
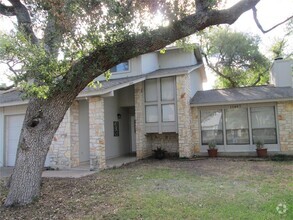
270	12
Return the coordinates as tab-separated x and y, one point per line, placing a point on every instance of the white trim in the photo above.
14	103
241	102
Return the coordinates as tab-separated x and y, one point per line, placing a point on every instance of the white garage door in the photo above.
13	128
13	125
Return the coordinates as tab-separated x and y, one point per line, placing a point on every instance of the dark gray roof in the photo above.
12	95
241	95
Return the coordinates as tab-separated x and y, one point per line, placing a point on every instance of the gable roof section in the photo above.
242	95
111	85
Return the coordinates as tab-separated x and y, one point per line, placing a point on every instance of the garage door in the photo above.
12	129
13	125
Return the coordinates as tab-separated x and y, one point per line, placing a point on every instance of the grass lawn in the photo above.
169	189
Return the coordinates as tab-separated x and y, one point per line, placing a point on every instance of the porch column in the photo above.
97	133
195	131
142	148
184	115
285	119
74	133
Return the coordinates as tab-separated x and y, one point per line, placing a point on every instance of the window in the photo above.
263	125
241	128
237	130
151	113
122	67
160	105
212	126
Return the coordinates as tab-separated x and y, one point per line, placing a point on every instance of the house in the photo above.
156	100
144	105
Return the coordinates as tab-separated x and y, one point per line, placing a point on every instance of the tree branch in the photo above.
97	62
218	72
7	10
260	26
5	88
259	77
24	20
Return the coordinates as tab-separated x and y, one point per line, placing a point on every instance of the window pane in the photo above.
263	117
237	126
151	90
211	126
122	67
168	112
151	113
263	125
167	89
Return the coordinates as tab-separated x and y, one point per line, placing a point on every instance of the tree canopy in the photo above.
235	58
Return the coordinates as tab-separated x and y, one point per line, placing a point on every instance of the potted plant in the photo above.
212	151
159	153
260	150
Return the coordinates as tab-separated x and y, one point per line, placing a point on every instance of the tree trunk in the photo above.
41	121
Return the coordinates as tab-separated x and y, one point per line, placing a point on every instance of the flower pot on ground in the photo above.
212	151
159	153
261	150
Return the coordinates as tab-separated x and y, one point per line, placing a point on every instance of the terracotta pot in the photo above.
213	152
262	152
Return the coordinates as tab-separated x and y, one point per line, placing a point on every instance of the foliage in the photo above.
281	46
234	57
159	153
259	144
212	145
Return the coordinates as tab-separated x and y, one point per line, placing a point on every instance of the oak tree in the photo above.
60	46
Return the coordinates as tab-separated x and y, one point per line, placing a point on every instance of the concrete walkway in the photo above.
70	173
76	172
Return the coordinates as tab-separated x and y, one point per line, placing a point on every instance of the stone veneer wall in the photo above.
285	120
195	129
64	150
184	115
74	131
97	133
60	148
142	144
166	141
